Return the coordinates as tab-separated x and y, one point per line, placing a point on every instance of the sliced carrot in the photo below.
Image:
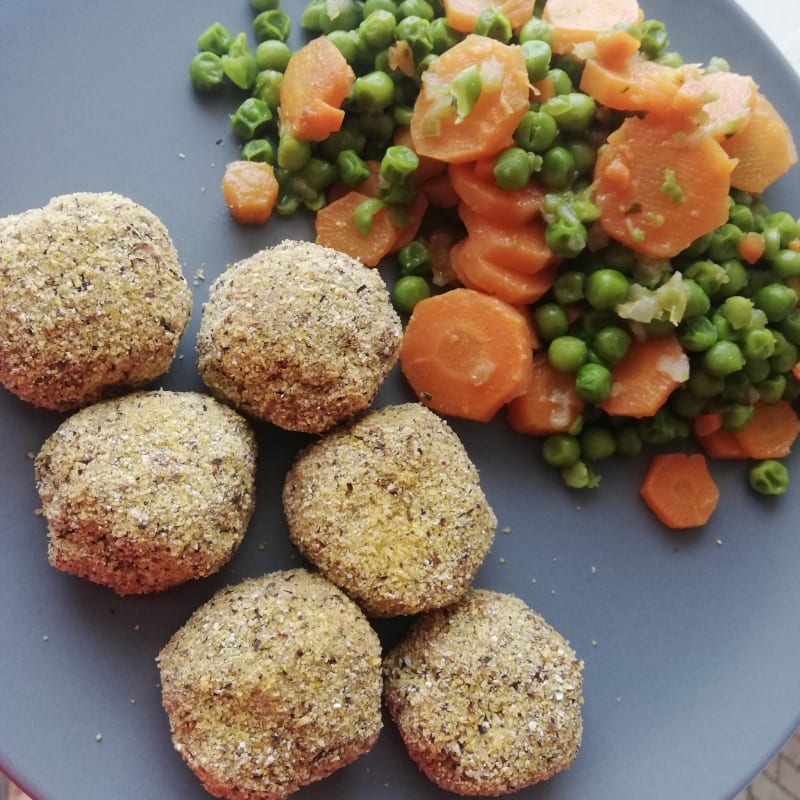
725	101
336	228
428	167
635	84
543	90
721	444
316	81
752	246
440	192
707	424
488	125
643	380
550	404
414	213
461	15
661	183
765	149
476	271
771	431
796	371
522	248
474	183
250	190
576	21
466	354
615	46
679	490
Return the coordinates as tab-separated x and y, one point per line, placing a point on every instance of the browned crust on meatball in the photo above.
147	491
271	685
486	695
391	510
298	335
94	301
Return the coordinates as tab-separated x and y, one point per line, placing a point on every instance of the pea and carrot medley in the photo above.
551	178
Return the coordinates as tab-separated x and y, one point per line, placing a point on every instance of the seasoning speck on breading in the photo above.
147	491
390	509
94	300
298	335
273	684
486	695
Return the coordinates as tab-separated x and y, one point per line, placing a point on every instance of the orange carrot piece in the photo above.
550	404
543	90
478	272
725	100
661	183
765	149
635	84
408	231
440	192
250	190
428	167
721	444
461	15
316	81
336	228
796	371
520	248
615	46
771	431
679	490
752	246
576	21
466	354
643	380
707	424
488	126
474	183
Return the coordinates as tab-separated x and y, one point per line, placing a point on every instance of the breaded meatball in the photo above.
94	301
390	509
271	685
486	695
147	491
298	335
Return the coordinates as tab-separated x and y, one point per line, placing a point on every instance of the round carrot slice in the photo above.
250	190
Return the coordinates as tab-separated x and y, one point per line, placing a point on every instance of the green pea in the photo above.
584	156
402	115
465	88
776	300
273	24
702	384
550	321
398	164
785	355
593	383
347	43
756	370
378	127
792	391
349	137
536	132
206	72
669	59
352	168
697	334
558	168
537	58
293	153
267	87
567	353
724	243
239	63
319	173
786	264
273	54
259	150
380	5
758	344
742	217
736	276
736	416
536	29
373	92
790	326
737	386
443	37
562	83
784	223
685	404
512	169
561	450
662	427
408	291
347	17
215	39
606	288
723	358
493	23
416	8
414	259
364	212
568	287
572	111
566	237
611	344
417	32
628	441
579	476
250	117
597	443
771	389
769	477
287	203
654	38
310	17
377	29
709	275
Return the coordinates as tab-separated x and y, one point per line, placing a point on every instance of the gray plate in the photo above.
694	680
